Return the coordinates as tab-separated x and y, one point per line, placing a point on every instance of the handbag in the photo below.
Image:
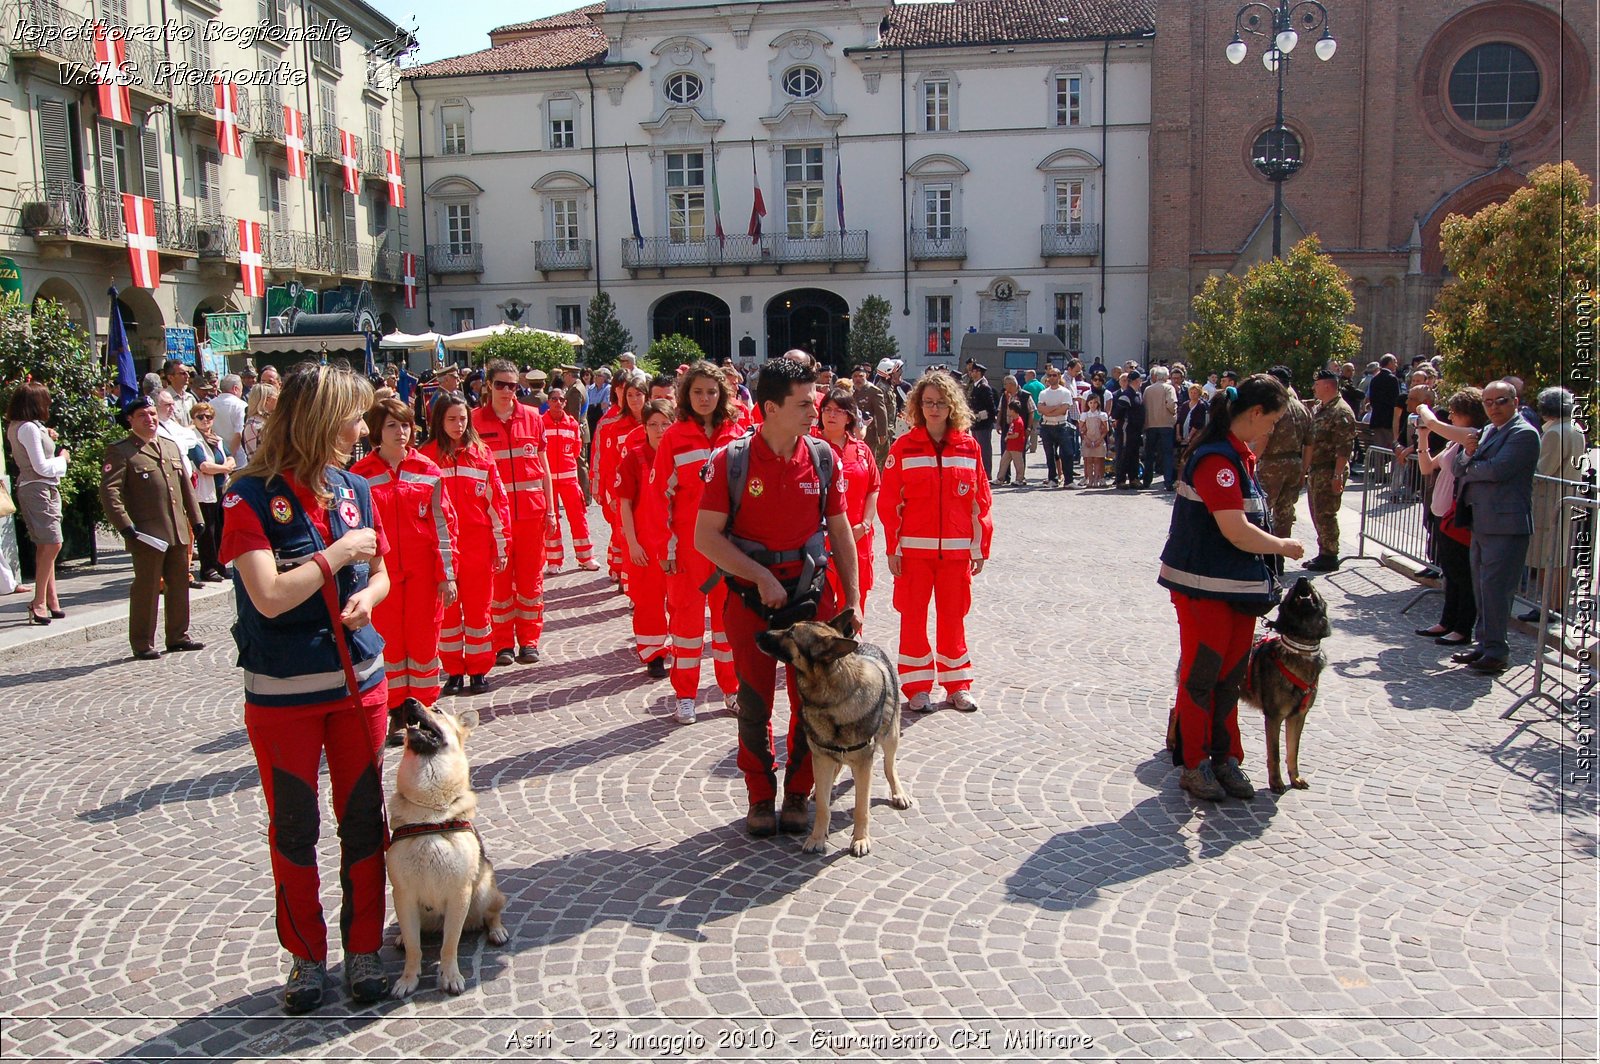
1447	525
8	505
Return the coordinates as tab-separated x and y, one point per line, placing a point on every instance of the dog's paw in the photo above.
498	935
1300	784
452	982
900	801
814	844
1277	787
860	847
404	986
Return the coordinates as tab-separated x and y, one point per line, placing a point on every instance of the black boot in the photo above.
452	686
480	684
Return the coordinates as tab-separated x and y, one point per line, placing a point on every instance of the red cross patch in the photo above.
350	513
1226	478
282	512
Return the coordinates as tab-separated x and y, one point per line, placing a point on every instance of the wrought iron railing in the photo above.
373	162
325	143
267	121
201	99
947	242
455	258
47	29
848	245
217	238
1069	238
66	209
563	254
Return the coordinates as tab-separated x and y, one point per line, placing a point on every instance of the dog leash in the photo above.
330	599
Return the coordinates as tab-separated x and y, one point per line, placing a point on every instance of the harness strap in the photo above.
406	831
1306	687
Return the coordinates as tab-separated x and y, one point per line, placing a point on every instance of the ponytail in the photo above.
1257	390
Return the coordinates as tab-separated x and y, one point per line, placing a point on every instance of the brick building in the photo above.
1428	108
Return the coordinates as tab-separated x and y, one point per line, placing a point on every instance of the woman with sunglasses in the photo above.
212	466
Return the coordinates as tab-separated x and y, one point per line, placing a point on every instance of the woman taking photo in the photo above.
40	467
706	420
263	401
408	493
1216	570
483	516
1452	546
839	423
212	466
645	537
307	552
934	504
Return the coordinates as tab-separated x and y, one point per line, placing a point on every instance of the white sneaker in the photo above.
590	567
552	570
920	703
731	701
962	700
684	714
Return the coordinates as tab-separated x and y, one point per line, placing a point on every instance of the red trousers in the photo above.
947	583
408	619
647	587
1214	650
466	646
863	577
686	609
288	744
517	612
758	685
569	499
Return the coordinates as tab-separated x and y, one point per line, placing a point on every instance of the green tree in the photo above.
1522	268
607	338
673	351
527	349
1293	311
870	339
46	346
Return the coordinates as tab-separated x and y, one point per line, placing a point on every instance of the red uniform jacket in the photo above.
417	517
683	452
473	486
608	437
633	484
859	472
562	440
935	501
518	448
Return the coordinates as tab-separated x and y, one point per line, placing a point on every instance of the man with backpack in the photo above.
772	506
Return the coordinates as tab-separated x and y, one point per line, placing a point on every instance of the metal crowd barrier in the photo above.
1394	513
1565	660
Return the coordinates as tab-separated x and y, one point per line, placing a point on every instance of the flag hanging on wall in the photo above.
716	199
758	208
294	139
139	225
347	162
225	109
633	204
252	267
838	183
408	274
395	177
110	58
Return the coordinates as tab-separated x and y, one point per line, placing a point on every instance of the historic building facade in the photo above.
64	166
982	166
1426	109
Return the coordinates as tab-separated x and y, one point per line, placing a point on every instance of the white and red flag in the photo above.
395	176
252	269
408	274
347	161
225	108
110	57
139	224
294	138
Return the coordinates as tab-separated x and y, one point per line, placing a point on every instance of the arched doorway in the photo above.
62	292
811	319
700	316
146	327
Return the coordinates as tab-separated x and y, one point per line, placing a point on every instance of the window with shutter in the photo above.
327	119
374	129
378	213
108	204
274	12
278	198
208	183
150	158
196	48
349	237
55	144
114	12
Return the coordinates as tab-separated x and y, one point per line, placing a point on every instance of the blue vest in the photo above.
291	659
1199	561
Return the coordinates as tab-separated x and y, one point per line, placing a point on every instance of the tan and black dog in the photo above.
440	874
1283	672
849	708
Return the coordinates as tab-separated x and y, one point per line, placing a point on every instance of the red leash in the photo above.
330	599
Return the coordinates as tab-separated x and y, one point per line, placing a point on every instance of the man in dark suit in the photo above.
1494	498
147	496
984	406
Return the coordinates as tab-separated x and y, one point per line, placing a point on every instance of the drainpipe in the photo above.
172	122
305	57
905	219
422	187
1105	181
594	177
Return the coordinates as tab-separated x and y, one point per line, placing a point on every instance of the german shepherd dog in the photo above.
1283	672
849	707
440	874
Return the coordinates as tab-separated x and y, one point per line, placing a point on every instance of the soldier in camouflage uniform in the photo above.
1281	469
1327	461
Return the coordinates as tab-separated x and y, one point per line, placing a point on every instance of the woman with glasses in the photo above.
839	424
212	465
934	504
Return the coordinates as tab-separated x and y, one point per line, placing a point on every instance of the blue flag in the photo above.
372	362
633	204
117	349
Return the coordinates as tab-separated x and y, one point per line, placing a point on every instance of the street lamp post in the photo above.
1281	24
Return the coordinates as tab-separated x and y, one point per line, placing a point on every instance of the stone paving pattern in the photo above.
1431	897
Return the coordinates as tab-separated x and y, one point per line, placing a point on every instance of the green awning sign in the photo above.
10	278
229	334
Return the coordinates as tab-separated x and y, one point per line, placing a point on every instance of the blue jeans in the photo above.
1071	448
1158	444
1054	438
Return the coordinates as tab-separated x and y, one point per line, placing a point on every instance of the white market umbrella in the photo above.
399	341
472	339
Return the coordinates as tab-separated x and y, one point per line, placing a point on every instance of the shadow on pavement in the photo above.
199	789
632	738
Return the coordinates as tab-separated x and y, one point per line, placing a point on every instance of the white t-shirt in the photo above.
1058	396
230	416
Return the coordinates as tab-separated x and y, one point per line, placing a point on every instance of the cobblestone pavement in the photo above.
1051	895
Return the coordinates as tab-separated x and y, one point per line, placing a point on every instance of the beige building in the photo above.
64	166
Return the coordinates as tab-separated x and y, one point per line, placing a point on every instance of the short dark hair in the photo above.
663	380
777	379
845	400
500	365
384	409
30	402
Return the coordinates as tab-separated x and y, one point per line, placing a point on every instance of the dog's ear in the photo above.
1327	627
468	721
847	624
836	648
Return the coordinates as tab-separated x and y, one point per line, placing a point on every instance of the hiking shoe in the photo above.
503	658
921	703
656	668
760	821
684	713
364	978
962	700
480	684
1233	779
1322	563
303	991
527	655
794	820
1202	783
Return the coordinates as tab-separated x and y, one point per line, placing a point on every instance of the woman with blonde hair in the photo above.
308	557
934	504
263	400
